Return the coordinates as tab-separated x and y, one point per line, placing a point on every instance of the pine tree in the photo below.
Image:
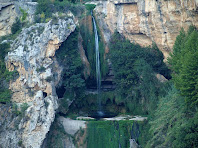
184	63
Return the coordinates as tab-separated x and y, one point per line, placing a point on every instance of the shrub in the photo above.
5	95
90	7
16	27
41	69
24	107
24	14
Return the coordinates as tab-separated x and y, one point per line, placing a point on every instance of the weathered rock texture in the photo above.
71	126
7	18
8	133
10	10
76	130
144	21
67	133
32	55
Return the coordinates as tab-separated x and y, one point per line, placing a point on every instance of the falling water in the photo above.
97	67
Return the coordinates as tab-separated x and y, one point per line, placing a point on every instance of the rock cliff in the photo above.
10	10
32	55
145	21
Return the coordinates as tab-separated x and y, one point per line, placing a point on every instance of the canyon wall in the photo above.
147	21
32	56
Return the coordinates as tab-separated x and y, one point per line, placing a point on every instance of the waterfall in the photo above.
97	66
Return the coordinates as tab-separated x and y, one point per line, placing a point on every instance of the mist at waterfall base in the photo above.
99	112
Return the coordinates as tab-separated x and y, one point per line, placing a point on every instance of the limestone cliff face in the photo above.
144	21
10	10
7	18
32	55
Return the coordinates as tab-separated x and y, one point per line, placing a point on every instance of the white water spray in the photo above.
97	64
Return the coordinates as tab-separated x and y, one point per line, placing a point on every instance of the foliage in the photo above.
46	8
15	109
16	27
109	134
184	63
24	107
41	69
20	143
19	110
5	75
173	125
5	95
90	7
134	69
68	54
24	14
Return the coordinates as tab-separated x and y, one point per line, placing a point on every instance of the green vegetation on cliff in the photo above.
46	8
68	55
134	69
5	75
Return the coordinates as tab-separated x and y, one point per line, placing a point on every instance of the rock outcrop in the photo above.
10	10
7	18
145	21
32	55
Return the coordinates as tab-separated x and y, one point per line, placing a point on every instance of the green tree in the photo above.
172	124
184	63
134	69
68	55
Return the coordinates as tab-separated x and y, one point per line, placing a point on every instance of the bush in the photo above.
41	69
24	14
5	95
90	7
16	26
24	107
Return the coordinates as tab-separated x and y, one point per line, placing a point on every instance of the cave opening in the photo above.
60	91
44	94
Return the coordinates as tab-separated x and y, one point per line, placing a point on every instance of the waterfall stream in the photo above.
98	78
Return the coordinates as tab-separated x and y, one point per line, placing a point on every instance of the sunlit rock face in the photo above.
145	21
10	10
32	56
